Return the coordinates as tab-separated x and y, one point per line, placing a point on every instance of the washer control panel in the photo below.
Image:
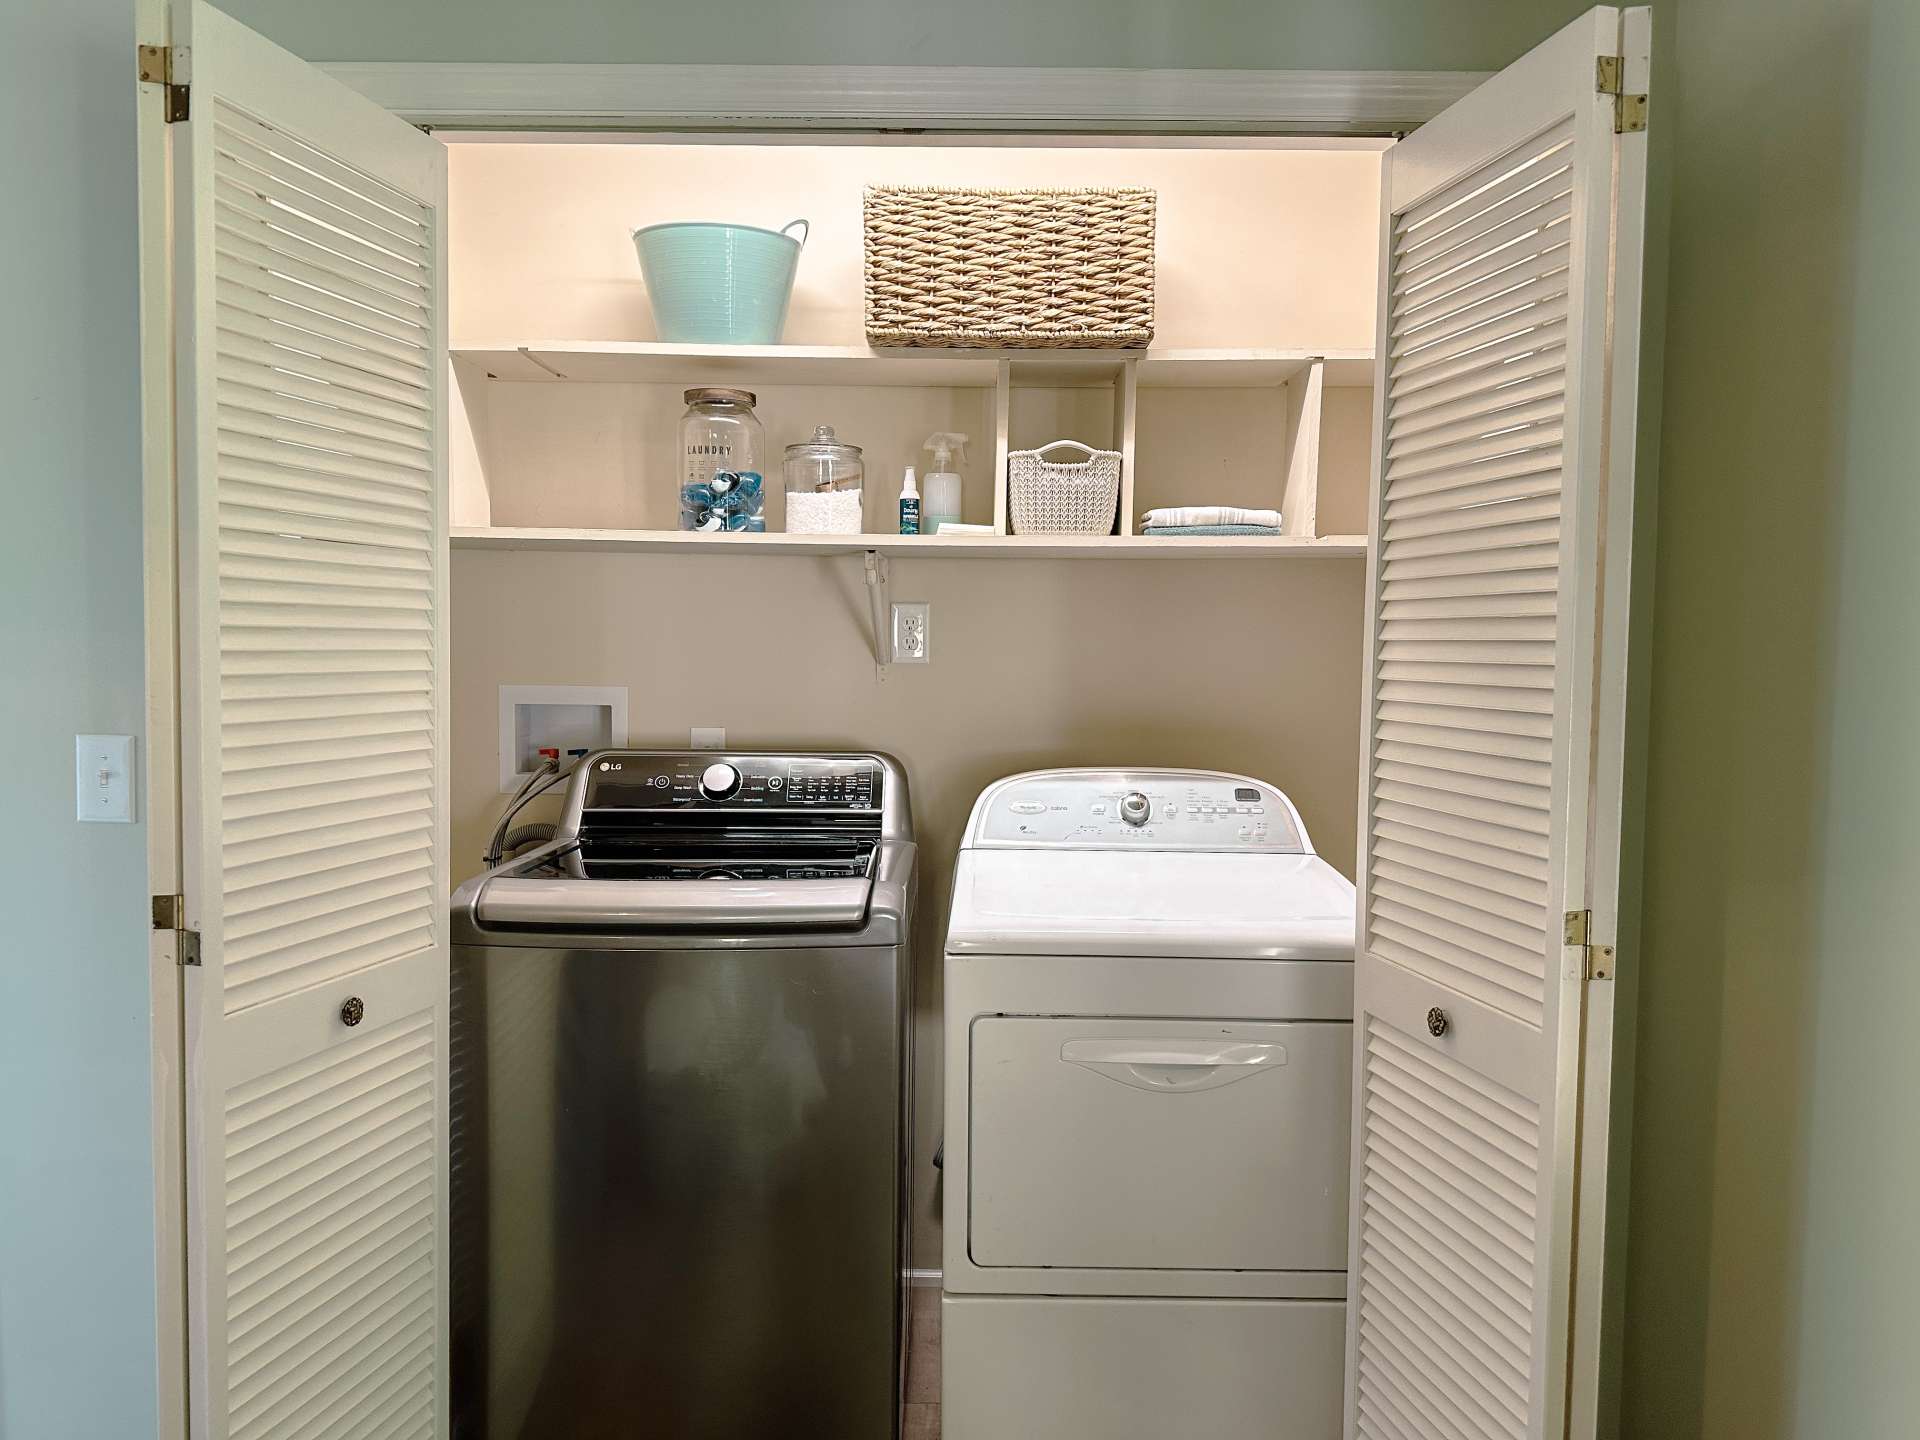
1138	809
630	781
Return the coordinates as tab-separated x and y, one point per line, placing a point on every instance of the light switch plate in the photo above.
103	778
708	737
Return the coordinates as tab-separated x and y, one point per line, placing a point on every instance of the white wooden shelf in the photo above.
983	547
649	362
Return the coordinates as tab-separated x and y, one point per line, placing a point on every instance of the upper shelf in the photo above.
654	362
1000	547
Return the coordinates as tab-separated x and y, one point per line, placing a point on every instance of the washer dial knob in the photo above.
1135	808
720	781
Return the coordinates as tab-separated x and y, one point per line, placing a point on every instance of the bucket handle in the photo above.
805	230
1086	450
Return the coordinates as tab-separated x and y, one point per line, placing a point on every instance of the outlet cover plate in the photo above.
912	632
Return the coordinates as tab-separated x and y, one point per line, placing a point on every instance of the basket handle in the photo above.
805	230
1086	450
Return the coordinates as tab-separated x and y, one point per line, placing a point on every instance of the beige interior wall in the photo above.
1346	459
1244	665
1211	447
1256	247
1240	666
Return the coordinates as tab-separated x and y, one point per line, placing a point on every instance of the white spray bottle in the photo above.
943	481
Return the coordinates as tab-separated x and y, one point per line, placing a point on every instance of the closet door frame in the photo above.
1299	103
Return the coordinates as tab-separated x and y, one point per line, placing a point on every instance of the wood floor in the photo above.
922	1418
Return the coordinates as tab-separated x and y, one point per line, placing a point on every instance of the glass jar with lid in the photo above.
825	481
722	477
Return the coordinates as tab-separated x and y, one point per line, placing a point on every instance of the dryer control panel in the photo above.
1138	810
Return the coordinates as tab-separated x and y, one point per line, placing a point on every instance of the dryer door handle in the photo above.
1174	1064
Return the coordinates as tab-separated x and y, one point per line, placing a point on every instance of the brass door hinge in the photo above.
157	67
1585	960
170	913
1629	111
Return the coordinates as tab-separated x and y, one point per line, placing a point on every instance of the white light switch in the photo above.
103	778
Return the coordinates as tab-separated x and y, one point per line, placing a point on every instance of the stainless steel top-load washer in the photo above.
680	1107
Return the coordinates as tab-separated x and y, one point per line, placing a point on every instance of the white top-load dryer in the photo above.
1149	1002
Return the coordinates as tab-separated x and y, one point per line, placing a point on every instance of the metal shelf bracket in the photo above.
879	596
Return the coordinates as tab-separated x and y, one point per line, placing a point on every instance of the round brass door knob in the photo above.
1437	1022
355	1010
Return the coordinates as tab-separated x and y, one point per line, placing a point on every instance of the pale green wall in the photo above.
76	1186
1776	1253
1775	1279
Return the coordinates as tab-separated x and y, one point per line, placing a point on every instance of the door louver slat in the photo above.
1471	508
336	499
291	1351
1430	1330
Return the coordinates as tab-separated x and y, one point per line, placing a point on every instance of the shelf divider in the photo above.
1300	497
1002	428
1126	422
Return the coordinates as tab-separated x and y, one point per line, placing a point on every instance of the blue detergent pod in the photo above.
739	522
696	496
733	503
724	482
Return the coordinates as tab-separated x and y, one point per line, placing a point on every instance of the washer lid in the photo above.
1203	905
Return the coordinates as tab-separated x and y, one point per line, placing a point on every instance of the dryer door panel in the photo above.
1159	1144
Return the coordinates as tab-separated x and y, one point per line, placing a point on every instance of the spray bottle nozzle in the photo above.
947	446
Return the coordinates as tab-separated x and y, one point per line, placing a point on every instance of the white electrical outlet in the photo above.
708	738
912	632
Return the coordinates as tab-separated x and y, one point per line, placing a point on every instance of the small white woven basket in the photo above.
1056	497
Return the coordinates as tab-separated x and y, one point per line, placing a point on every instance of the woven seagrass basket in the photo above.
1055	269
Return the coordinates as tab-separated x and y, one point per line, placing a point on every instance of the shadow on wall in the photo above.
1766	209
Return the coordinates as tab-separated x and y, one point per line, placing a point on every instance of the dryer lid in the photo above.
1199	905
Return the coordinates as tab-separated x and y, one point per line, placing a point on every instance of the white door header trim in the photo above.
750	97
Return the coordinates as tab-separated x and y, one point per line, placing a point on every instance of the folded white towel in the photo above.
1211	515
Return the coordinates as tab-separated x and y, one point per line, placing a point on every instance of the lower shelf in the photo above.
985	547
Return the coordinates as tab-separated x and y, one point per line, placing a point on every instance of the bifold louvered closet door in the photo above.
309	291
1484	622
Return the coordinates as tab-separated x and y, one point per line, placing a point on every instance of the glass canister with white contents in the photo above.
825	481
722	479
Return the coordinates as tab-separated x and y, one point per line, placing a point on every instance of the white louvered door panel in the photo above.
1484	621
310	286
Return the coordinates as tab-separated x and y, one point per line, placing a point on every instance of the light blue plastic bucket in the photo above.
719	284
